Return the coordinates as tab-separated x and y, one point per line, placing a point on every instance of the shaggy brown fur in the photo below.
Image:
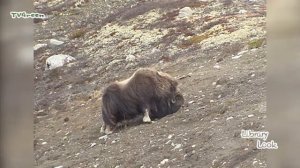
149	92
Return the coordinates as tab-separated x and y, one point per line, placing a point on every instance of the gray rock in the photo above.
41	113
164	161
55	42
39	46
185	12
59	167
59	60
103	137
130	58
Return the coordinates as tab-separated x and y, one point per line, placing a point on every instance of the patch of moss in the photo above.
193	40
198	38
256	43
77	33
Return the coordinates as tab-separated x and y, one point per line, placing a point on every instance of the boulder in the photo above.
59	60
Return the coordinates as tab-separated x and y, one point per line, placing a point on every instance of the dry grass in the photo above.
77	33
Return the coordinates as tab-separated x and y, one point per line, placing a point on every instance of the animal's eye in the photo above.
173	100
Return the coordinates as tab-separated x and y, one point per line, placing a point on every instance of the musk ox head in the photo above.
147	92
167	106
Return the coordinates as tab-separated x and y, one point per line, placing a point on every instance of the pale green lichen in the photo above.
256	43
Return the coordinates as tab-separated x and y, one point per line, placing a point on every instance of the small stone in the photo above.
217	66
193	146
242	11
211	101
191	102
229	118
164	161
250	115
66	119
236	57
168	142
59	167
213	121
214	83
44	143
185	12
39	46
214	161
170	136
177	146
103	137
154	50
55	42
41	113
93	144
242	52
130	58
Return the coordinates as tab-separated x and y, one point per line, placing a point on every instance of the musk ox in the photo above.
150	93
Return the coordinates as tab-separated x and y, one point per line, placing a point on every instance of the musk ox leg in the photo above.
146	117
106	129
102	128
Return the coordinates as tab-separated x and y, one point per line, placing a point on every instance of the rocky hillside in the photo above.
215	48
